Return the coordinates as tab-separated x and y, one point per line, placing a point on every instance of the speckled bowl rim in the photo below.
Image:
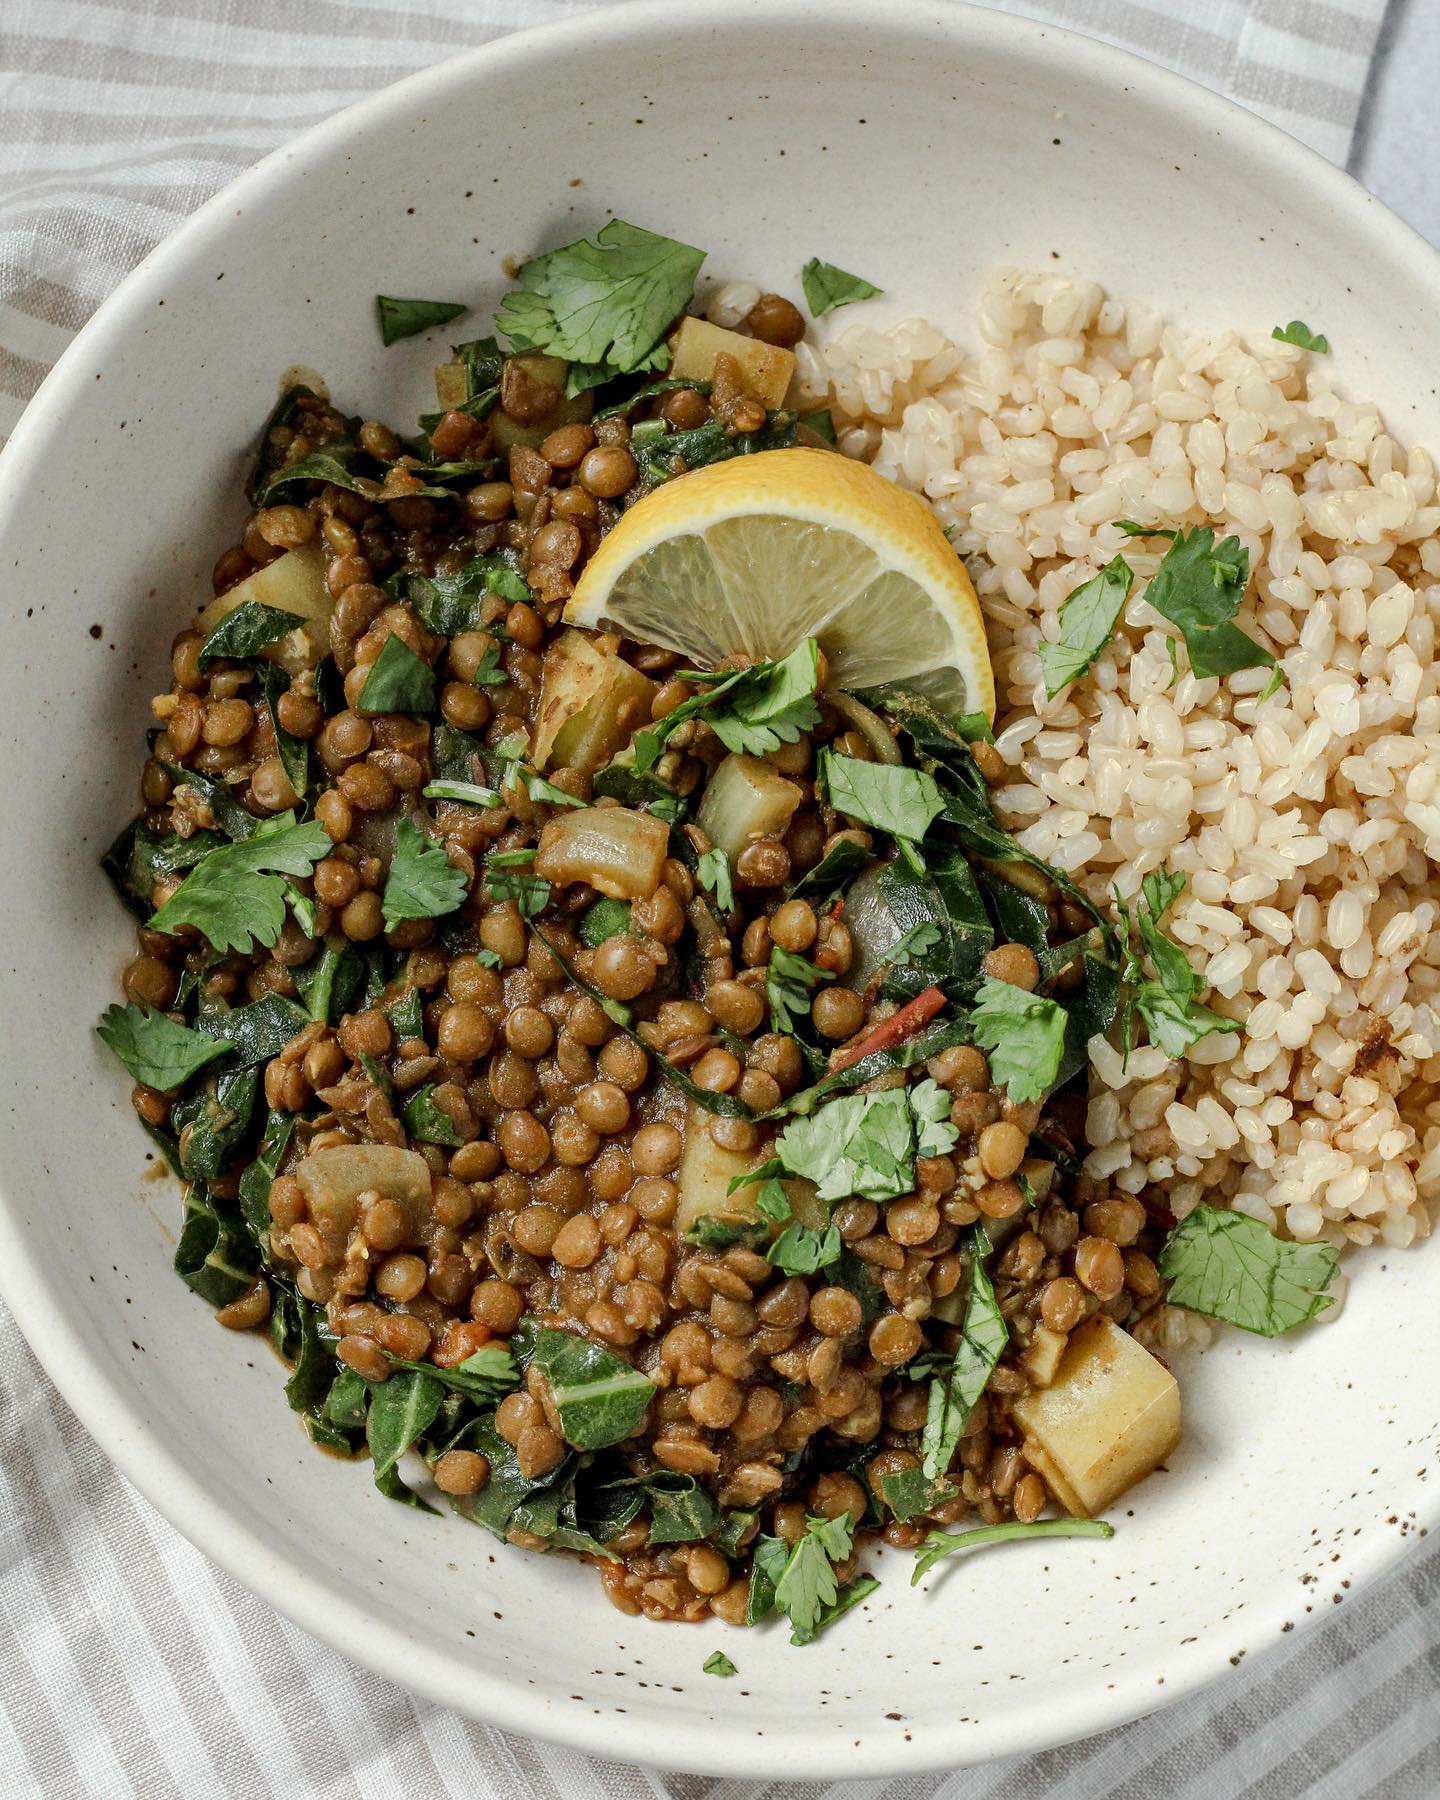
102	1402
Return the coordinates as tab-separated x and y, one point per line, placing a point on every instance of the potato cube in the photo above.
294	583
1109	1416
746	799
591	703
765	368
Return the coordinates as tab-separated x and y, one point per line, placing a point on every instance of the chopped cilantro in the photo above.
1199	587
891	798
1231	1267
1087	620
603	306
509	876
940	1544
421	883
236	894
157	1052
1298	332
713	873
1168	1004
953	1397
1024	1034
770	704
789	983
864	1144
399	681
717	1663
806	1586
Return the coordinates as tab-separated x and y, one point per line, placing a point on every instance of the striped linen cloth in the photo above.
129	1666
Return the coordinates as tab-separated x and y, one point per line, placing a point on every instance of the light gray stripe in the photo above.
1328	26
1283	88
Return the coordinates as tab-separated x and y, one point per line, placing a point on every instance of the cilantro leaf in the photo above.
245	631
713	873
770	704
915	945
827	287
1298	332
236	894
420	884
1199	587
1231	1267
452	604
546	792
789	982
605	304
1087	621
863	1144
157	1052
1168	1005
469	792
901	801
717	1663
427	1122
802	1250
1024	1034
508	876
934	1134
807	1586
399	681
1132	528
406	318
910	1492
953	1397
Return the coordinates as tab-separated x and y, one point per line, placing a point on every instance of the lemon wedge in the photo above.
756	554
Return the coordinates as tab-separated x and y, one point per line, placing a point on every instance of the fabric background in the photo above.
129	1666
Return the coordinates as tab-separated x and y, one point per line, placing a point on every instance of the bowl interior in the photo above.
920	154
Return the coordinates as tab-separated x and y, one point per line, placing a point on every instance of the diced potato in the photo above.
706	1171
1041	1361
590	704
617	851
746	800
294	582
1109	1416
765	368
333	1179
1041	1177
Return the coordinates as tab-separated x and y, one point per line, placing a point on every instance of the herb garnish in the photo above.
427	1122
1231	1267
945	1543
605	306
236	895
863	1144
717	1663
407	318
789	982
1199	587
509	875
1087	620
600	1399
953	1397
1298	332
799	1579
892	798
827	287
247	630
157	1052
1169	1007
421	883
713	873
1024	1034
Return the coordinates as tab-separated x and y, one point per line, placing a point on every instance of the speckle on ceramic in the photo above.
915	144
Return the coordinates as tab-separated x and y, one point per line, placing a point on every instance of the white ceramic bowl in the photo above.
920	146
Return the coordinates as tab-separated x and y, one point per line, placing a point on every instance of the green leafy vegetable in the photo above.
912	1492
1298	332
600	1398
426	1121
717	1663
140	857
892	798
945	1543
212	1120
604	919
713	873
836	869
157	1052
681	1510
804	1250
236	896
1133	529
246	631
469	792
420	883
399	681
255	1032
331	983
407	318
255	1182
452	604
953	1397
332	464
215	1256
789	982
827	287
401	1410
294	753
1087	620
667	453
606	305
1229	1266
1024	1034
1199	587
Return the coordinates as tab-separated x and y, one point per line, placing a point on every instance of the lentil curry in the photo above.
641	1098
